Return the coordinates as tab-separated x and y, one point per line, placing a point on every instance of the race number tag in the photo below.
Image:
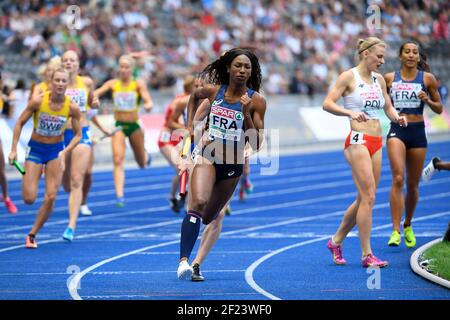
125	101
356	137
225	123
50	125
372	100
195	154
406	95
79	96
165	136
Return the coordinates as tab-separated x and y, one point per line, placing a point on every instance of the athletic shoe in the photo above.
395	239
228	210
120	202
149	159
197	274
182	201
174	205
30	242
68	234
410	238
336	251
85	211
10	206
241	194
248	186
430	169
371	261
184	271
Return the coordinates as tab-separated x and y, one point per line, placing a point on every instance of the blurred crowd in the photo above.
303	45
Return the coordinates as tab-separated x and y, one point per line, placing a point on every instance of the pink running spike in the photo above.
336	251
30	243
371	261
10	206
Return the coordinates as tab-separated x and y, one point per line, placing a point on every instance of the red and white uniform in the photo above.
369	99
167	136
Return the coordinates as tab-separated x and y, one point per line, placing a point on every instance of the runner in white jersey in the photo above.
364	92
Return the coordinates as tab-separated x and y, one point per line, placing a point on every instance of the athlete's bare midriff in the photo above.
370	127
412	117
44	139
126	116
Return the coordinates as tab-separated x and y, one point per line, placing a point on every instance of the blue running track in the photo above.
271	247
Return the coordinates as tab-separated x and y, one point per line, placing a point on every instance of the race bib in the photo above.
50	125
372	101
406	95
165	136
125	101
195	154
357	137
79	96
225	123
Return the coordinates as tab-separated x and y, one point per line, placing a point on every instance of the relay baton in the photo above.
184	155
19	167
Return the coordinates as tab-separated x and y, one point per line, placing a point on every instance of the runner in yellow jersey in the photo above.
50	111
126	92
80	90
43	86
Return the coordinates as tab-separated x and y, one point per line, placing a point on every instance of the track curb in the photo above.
415	266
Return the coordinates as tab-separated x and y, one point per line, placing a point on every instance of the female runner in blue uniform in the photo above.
410	88
236	116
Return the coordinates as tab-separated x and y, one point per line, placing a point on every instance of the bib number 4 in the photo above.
357	137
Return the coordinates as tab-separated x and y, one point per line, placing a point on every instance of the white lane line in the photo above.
99	234
244	211
130	199
129	186
214	252
250	270
140	198
76	280
93	218
152	197
165	294
104	178
106	273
